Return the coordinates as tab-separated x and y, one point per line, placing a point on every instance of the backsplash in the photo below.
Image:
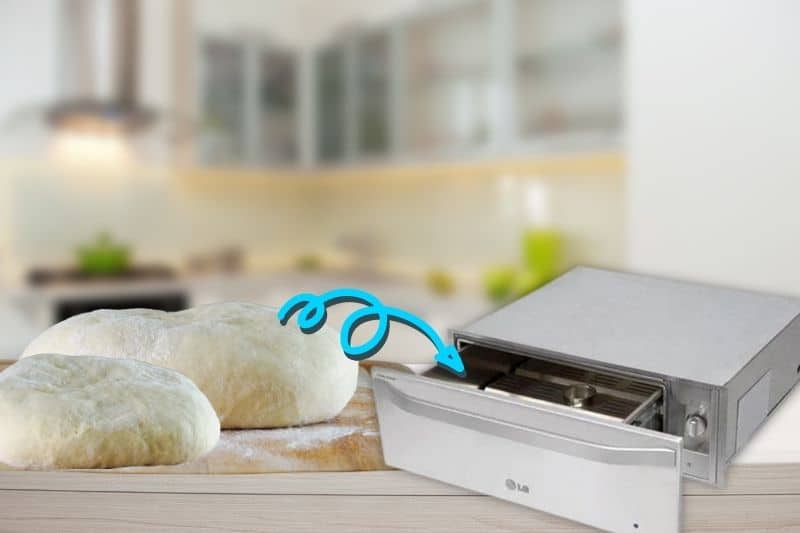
463	222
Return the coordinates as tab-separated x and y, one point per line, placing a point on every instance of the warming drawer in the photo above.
593	395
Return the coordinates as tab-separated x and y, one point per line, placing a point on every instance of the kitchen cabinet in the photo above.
448	65
277	106
567	67
222	101
354	97
471	78
248	102
373	97
495	77
334	119
455	78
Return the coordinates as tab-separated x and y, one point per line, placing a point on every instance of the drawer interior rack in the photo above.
630	400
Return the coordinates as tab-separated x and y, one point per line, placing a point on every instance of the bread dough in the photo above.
256	372
94	412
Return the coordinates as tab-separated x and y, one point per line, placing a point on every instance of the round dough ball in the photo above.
93	412
256	372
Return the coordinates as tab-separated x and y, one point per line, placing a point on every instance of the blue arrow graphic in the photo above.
312	312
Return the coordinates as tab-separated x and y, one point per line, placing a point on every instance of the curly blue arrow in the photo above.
312	312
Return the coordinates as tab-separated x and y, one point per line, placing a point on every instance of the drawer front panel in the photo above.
601	473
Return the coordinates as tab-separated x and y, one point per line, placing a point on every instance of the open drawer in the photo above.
501	435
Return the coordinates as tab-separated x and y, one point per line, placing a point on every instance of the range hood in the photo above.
100	61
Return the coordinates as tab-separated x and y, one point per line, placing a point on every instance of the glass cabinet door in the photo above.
372	93
248	103
449	73
222	102
568	66
277	106
331	80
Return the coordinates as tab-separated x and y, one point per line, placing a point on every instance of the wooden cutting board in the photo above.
349	442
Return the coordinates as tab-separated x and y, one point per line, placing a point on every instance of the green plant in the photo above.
103	256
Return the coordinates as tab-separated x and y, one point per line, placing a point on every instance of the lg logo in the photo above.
519	487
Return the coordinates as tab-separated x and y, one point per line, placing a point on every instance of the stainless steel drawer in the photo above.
550	457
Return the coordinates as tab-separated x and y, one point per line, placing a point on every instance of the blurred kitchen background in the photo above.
446	155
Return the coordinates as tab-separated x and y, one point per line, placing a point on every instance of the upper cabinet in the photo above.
333	119
372	94
222	135
277	106
568	65
245	73
354	98
452	78
449	71
248	102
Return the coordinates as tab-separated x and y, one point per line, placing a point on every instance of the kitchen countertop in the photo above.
763	493
758	498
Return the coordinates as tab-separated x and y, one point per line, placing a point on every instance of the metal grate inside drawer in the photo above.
609	384
598	402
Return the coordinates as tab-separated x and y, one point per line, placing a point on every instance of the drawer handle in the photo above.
663	457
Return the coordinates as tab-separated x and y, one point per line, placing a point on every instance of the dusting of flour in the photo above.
250	443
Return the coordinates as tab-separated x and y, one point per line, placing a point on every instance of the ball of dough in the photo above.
256	372
93	412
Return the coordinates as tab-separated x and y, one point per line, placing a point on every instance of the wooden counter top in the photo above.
758	498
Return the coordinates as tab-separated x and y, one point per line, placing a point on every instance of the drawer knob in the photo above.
695	426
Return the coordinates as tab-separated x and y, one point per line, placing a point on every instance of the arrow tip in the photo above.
449	359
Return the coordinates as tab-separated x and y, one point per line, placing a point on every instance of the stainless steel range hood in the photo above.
100	62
